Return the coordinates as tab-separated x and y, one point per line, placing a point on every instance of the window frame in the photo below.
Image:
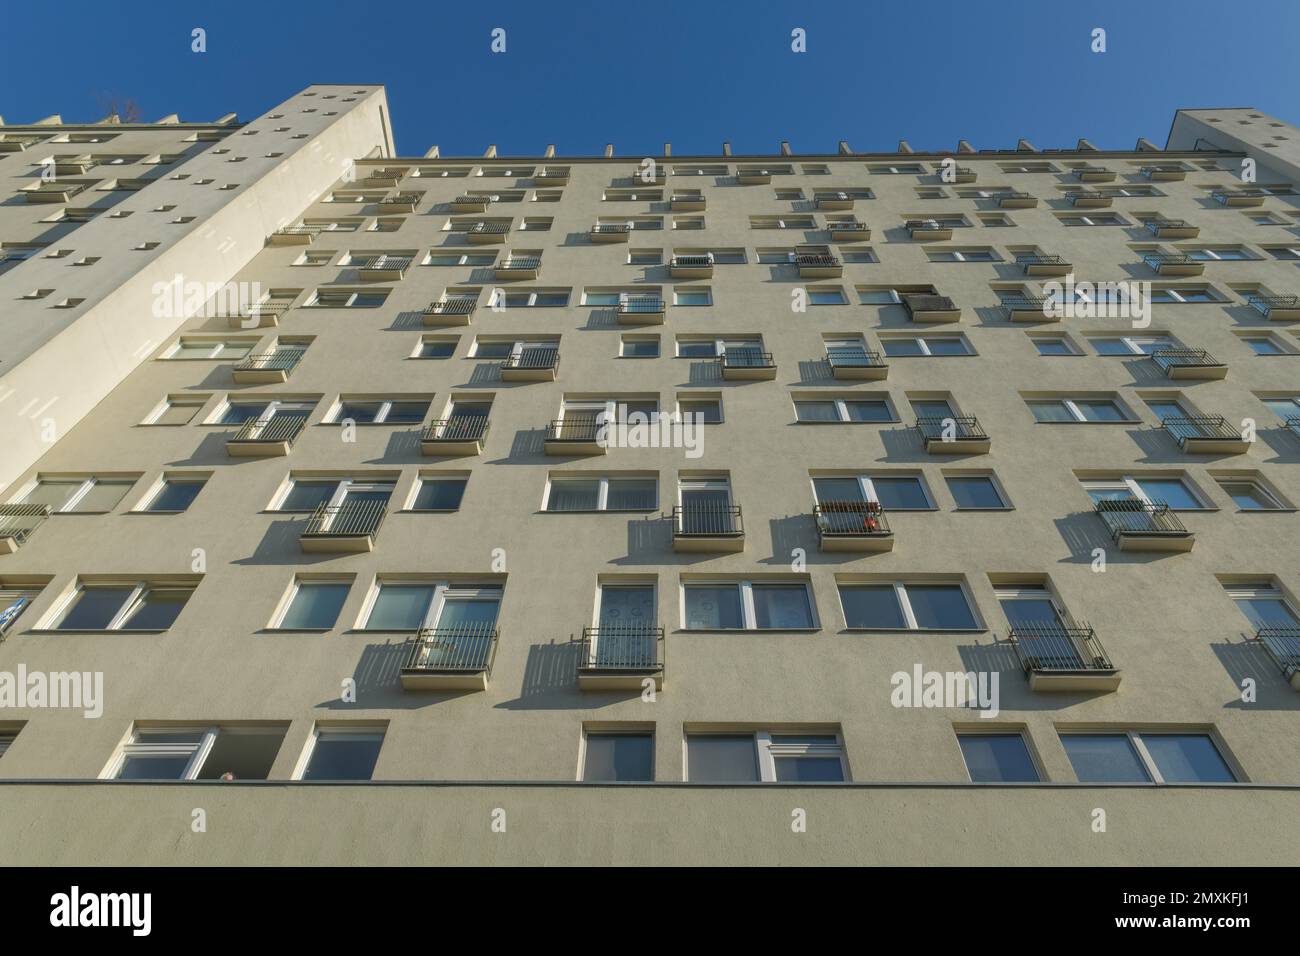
1154	776
748	614
900	586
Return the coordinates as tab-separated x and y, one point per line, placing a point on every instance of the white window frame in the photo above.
923	342
900	586
1131	483
1178	295
961	255
1144	755
1071	405
376	732
286	603
152	495
130	604
1104	219
271	408
1131	342
1260	489
766	751
132	747
214	353
342	487
866	485
381	414
602	493
87	483
748	615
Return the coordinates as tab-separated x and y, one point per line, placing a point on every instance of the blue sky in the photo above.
639	73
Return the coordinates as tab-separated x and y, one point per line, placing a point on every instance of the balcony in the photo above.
610	232
1027	308
294	236
1278	308
692	266
621	657
347	528
1138	525
708	528
654	175
385	268
17	522
746	364
855	363
753	176
53	192
1016	200
9	143
641	310
1283	645
551	176
483	233
378	180
1165	264
687	202
1189	364
849	230
400	203
954	435
927	229
519	267
857	526
1164	174
536	363
962	175
1172	229
1034	264
833	201
1239	198
459	435
1059	657
464	204
1094	174
269	368
450	658
264	315
575	435
1206	435
269	438
930	308
1087	199
818	265
452	311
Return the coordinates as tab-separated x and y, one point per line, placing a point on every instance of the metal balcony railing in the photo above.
282	359
853	356
1224	197
460	649
1012	195
1172	358
746	358
350	519
1134	516
1025	303
537	357
610	228
1085	195
553	174
1283	645
312	231
924	225
520	263
640	305
815	259
1193	427
822	199
456	306
460	428
1155	225
579	428
707	521
280	427
488	229
386	264
17	522
1082	171
1053	647
1155	260
1034	259
693	261
1265	304
848	225
1150	171
951	428
928	303
622	647
851	519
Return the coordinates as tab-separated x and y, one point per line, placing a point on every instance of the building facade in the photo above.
878	508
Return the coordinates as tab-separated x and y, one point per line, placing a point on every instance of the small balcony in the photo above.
399	204
575	435
1278	308
467	204
1164	174
641	310
753	176
688	202
378	180
1165	264
1094	174
857	364
269	438
922	230
849	230
519	267
10	143
461	435
484	233
1283	645
954	435
268	368
264	315
657	175
746	364
385	268
1138	525
536	363
1027	308
1039	265
1088	199
1239	198
1189	364
451	311
1060	657
692	266
450	658
17	522
962	175
708	528
347	528
294	236
1016	199
551	176
1172	229
55	192
818	265
857	526
621	657
930	309
1206	435
830	201
610	232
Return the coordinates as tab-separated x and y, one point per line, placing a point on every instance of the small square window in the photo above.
618	757
639	347
997	758
439	494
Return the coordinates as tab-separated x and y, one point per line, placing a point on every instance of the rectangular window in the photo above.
976	493
765	756
221	349
381	411
141	606
747	605
439	494
1249	494
313	605
997	758
618	757
1133	757
907	606
176	410
174	495
197	753
638	348
925	345
894	492
844	410
602	493
79	495
436	349
338	753
1079	410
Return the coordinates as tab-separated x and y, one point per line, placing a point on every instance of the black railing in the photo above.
1134	516
1283	645
283	359
610	228
853	356
386	264
488	229
693	261
1224	197
1085	195
551	173
1149	171
827	198
819	260
746	358
312	231
1012	195
17	522
1084	171
520	264
951	428
1053	647
460	649
640	305
580	428
1172	358
1034	259
622	647
851	519
928	303
457	428
280	427
452	307
1265	304
924	225
1025	303
848	225
401	199
1191	427
707	521
536	357
471	201
1155	260
1155	225
350	519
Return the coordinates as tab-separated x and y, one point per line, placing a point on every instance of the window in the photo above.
1184	295
1095	219
748	606
341	753
404	605
7	738
705	410
997	758
307	494
925	345
1286	253
313	605
439	494
1053	345
1133	344
176	410
907	605
530	298
630	347
209	349
618	757
696	296
764	756
645	257
846	409
782	222
895	492
976	493
78	495
1251	494
197	753
1265	343
983	254
1078	410
1177	493
460	258
382	411
174	494
138	606
436	349
348	299
1133	757
826	296
1217	253
602	494
1285	407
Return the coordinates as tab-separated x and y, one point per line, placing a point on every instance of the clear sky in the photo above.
639	73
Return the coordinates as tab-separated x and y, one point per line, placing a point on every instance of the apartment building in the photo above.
571	509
